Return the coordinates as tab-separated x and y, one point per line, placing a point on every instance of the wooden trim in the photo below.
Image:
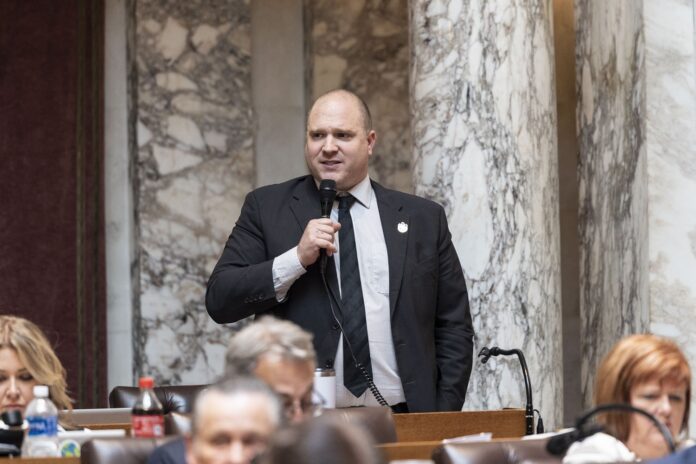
408	450
416	427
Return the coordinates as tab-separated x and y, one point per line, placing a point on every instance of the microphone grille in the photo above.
327	184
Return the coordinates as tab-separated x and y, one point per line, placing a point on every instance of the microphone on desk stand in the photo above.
486	354
559	444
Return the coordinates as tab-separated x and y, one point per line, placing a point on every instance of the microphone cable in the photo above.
368	378
327	195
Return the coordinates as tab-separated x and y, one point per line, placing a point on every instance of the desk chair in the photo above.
120	450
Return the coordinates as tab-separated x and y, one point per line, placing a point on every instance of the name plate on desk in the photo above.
435	426
96	419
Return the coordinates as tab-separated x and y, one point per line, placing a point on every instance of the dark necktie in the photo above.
354	326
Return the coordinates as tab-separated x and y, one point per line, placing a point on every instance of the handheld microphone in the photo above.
486	354
559	444
327	195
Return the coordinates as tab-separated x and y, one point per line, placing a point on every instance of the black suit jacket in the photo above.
173	452
430	319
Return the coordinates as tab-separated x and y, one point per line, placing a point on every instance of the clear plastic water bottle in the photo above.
42	434
147	417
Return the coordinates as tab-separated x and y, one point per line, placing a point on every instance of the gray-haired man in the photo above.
281	354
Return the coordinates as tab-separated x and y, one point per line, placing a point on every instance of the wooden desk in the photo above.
98	419
431	426
409	450
112	426
418	433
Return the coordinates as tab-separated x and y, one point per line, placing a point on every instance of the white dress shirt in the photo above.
374	278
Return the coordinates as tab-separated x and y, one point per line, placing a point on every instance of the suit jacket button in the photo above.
329	363
335	326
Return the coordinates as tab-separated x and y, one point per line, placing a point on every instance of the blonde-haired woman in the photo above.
650	373
27	359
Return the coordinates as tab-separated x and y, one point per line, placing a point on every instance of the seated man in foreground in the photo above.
277	352
232	422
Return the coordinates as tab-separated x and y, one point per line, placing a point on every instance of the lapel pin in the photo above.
402	227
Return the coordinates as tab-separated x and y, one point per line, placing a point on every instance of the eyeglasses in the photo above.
309	406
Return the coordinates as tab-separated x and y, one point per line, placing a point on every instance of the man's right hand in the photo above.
318	234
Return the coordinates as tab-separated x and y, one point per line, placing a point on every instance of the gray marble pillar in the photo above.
191	106
636	128
484	134
613	193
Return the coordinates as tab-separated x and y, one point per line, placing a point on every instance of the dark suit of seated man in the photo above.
404	310
686	456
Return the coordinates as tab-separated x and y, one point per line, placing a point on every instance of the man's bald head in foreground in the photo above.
362	106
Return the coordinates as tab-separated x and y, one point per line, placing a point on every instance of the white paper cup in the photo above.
325	387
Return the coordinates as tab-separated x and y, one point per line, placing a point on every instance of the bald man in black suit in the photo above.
416	310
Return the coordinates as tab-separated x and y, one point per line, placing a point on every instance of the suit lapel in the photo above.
395	227
305	203
305	207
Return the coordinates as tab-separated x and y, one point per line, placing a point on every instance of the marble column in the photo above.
191	109
484	134
636	120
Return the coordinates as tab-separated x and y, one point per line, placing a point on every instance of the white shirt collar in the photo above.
362	191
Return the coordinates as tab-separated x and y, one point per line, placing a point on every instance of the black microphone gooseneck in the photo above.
327	195
559	444
486	353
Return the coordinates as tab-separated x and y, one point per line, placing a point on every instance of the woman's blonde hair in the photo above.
35	353
633	360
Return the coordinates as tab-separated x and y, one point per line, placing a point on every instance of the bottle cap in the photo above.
41	391
146	382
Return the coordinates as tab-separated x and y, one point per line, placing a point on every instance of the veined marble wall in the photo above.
637	115
363	46
670	61
194	166
484	128
613	178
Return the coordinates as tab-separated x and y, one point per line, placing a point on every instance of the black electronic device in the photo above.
12	434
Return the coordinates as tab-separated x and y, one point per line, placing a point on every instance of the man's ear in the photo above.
371	140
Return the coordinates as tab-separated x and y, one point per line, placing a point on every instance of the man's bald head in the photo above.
360	103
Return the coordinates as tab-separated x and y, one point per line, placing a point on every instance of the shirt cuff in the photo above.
286	270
